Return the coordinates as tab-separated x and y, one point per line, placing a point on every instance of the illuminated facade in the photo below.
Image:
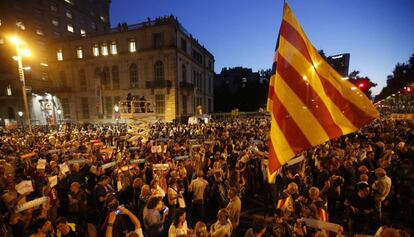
156	59
38	23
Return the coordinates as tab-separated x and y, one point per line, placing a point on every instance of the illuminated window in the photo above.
83	32
114	49
79	52
68	14
55	22
104	49
9	90
59	55
131	46
20	25
70	28
95	50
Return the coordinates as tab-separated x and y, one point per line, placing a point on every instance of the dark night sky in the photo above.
377	33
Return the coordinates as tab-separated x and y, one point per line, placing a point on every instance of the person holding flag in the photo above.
286	200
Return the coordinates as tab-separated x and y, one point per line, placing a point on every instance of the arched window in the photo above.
82	80
159	71
62	77
133	75
105	78
115	77
184	72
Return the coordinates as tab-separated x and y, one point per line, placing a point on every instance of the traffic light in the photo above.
361	85
408	89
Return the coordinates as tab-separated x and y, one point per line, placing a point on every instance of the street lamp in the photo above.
59	112
20	113
20	53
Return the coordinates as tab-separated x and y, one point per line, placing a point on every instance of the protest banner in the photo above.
34	203
137	161
28	155
76	161
160	166
323	225
295	160
178	158
108	165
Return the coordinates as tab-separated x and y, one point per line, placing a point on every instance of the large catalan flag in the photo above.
309	101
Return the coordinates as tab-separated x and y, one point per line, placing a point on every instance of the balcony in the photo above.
158	84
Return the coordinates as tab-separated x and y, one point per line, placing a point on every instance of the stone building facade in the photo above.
157	59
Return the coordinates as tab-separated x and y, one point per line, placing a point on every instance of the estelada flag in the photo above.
309	101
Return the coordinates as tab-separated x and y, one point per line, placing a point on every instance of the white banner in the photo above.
31	204
108	165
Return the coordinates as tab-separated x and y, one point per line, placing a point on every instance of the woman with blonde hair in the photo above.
200	229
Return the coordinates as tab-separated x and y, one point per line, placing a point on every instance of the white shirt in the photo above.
177	232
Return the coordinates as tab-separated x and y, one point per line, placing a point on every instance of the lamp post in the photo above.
116	109
20	113
59	112
20	53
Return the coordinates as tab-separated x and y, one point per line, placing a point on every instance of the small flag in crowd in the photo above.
308	100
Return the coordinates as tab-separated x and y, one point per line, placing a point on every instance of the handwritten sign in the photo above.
24	187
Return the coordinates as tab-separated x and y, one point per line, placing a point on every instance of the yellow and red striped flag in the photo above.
309	101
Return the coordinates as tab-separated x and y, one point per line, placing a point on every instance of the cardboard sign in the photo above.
64	168
154	149
53	180
24	187
31	204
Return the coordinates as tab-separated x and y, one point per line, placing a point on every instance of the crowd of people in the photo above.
195	180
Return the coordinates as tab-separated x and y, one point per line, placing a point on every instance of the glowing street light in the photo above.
20	113
116	108
26	53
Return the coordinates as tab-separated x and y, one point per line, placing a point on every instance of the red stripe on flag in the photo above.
292	35
293	134
271	92
274	162
281	203
356	116
311	100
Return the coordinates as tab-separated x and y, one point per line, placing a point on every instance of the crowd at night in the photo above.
196	180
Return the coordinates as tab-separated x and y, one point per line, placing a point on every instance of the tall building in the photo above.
157	59
340	63
38	23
